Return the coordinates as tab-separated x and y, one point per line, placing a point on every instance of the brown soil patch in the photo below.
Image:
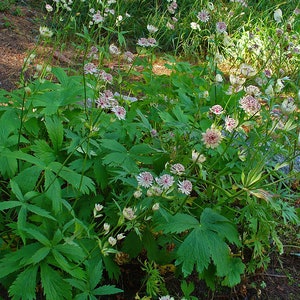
18	30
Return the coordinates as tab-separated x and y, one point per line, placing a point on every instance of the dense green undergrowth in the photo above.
194	168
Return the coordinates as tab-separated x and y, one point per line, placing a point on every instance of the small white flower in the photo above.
114	50
288	106
120	236
45	31
195	26
219	78
155	206
106	227
137	194
112	240
49	8
151	28
278	15
197	157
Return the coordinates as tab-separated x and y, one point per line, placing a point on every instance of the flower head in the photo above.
165	181
203	16
212	137
230	124
221	27
120	112
129	213
278	15
216	109
114	50
185	187
145	179
197	157
177	169
250	105
112	240
45	31
151	28
195	26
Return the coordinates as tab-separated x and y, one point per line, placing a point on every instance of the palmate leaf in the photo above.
53	190
55	287
24	285
113	145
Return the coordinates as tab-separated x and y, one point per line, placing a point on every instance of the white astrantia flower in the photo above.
278	15
151	28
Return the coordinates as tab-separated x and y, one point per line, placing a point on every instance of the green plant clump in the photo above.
192	168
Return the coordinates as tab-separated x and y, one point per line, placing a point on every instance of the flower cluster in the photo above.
164	183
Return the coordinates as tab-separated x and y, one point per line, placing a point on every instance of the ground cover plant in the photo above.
194	169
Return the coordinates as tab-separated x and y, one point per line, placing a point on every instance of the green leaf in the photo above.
175	224
53	190
25	284
80	182
113	145
9	165
115	158
95	272
39	255
73	252
55	287
28	178
234	271
9	204
43	151
16	190
38	236
39	211
55	131
107	290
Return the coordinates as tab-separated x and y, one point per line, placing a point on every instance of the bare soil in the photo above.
18	31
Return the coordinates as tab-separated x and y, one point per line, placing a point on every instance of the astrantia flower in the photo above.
219	78
221	27
154	190
185	187
177	169
247	70
97	17
129	213
155	206
120	112
106	77
166	298
165	181
90	68
250	105
112	240
172	7
195	26
230	124
203	16
49	8
278	15
197	157
114	50
145	179
288	106
236	80
106	227
120	236
216	109
128	56
45	31
252	90
151	28
212	138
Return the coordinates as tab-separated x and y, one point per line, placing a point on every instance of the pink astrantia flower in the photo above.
145	179
177	169
212	138
252	90
90	68
230	124
120	112
250	105
185	187
216	109
165	181
97	17
221	27
128	56
203	16
106	77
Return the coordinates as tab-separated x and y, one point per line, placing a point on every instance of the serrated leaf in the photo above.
53	190
175	224
39	211
113	145
235	269
43	151
39	255
95	272
55	131
80	182
55	288
25	284
27	178
16	190
107	290
78	284
114	158
9	204
38	236
73	252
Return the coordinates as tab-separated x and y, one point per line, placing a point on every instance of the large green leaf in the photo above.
80	182
53	190
55	131
106	290
113	145
55	287
24	287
